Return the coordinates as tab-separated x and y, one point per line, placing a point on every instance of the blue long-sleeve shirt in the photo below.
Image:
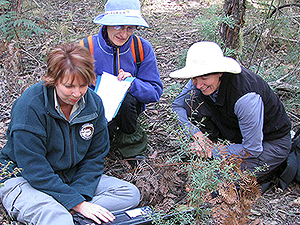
249	110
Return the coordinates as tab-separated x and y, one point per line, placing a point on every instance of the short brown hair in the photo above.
69	59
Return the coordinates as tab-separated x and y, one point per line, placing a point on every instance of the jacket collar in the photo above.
49	101
86	111
222	90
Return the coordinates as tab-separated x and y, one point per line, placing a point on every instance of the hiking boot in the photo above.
132	145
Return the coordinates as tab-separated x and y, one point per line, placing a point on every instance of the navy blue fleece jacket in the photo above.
57	156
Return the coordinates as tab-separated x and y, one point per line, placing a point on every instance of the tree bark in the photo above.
236	9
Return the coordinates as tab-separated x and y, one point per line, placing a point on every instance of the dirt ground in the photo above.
172	31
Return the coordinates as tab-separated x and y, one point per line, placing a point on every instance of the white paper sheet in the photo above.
112	93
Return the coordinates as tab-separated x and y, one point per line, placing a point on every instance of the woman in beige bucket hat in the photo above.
224	101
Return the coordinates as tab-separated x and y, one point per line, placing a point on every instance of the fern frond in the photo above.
30	27
13	26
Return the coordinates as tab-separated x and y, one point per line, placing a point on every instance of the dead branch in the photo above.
284	86
281	7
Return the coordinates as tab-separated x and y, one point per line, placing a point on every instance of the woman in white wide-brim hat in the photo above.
222	100
112	50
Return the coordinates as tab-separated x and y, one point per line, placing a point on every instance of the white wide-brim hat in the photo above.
206	57
121	12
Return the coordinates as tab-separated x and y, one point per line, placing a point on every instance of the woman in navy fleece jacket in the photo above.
58	137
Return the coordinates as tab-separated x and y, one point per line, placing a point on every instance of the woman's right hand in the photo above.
123	75
95	212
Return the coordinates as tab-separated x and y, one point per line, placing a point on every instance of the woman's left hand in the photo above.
202	145
122	75
200	150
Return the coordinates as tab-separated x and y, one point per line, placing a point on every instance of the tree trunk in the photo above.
236	9
15	5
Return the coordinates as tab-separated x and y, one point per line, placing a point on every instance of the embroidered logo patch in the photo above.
87	131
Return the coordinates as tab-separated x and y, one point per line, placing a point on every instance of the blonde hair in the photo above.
69	59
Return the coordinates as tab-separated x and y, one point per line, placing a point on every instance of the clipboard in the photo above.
112	92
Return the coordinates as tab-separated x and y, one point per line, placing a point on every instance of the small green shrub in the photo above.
210	22
13	26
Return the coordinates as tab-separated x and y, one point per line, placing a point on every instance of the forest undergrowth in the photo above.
172	178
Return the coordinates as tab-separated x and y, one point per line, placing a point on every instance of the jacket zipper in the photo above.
115	62
71	146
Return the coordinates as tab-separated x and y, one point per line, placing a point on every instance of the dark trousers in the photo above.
124	131
126	119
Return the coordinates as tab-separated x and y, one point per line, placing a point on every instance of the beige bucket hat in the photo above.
206	57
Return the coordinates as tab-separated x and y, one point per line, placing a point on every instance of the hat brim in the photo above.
114	20
226	65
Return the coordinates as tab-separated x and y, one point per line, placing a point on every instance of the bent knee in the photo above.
135	196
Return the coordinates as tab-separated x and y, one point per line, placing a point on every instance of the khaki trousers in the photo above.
30	206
